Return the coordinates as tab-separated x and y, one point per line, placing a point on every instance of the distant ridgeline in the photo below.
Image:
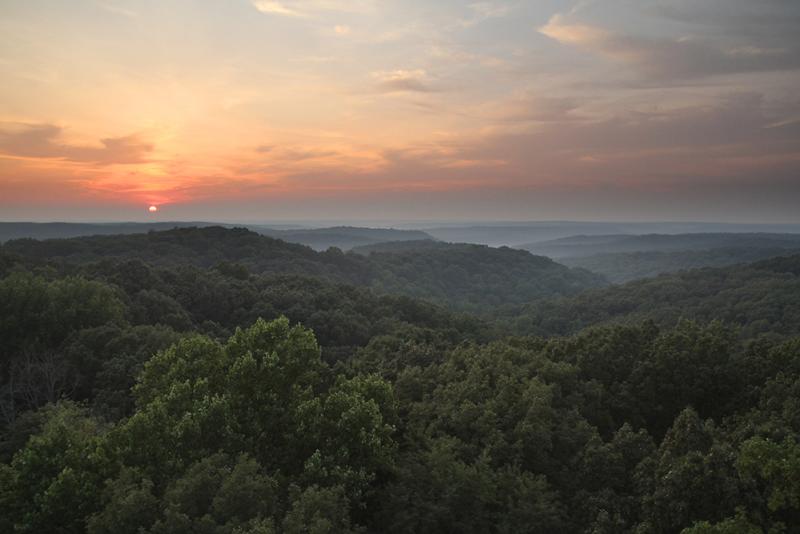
581	246
23	230
343	237
621	258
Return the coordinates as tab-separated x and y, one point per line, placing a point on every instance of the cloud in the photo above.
486	10
310	8
665	59
533	107
481	11
733	143
316	59
272	7
277	161
42	141
117	10
290	155
402	81
692	145
765	20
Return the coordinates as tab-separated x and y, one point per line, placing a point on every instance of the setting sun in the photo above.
152	209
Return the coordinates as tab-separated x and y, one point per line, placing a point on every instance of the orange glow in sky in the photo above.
293	108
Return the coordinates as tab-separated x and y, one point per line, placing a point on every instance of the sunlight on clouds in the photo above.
308	8
398	81
672	58
281	98
276	8
114	8
483	11
577	34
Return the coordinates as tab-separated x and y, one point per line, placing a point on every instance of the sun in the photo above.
152	209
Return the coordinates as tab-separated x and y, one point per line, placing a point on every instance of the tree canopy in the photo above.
189	391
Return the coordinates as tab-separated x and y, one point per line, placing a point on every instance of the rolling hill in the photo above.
343	237
471	277
588	245
760	298
621	267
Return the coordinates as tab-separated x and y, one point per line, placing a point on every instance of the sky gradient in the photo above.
346	109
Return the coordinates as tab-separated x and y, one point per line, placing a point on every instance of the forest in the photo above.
622	258
217	380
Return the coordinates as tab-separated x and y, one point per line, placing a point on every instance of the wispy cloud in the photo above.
664	59
273	7
402	81
118	10
530	107
292	154
310	8
481	11
43	141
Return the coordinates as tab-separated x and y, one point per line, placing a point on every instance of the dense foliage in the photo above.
623	267
471	277
89	338
476	277
152	385
760	298
344	237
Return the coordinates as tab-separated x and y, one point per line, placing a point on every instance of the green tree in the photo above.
691	478
265	394
319	510
54	482
775	468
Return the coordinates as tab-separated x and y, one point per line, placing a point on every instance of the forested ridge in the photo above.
344	237
626	266
588	245
214	380
462	275
621	258
759	298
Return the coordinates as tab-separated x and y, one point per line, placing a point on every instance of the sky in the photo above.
400	110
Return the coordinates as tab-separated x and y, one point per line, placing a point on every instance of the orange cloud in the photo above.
43	141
